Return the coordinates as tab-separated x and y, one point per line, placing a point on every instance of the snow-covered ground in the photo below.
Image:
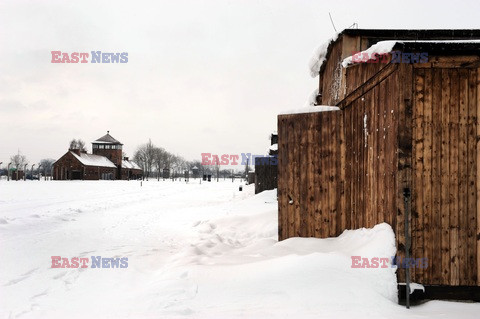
194	250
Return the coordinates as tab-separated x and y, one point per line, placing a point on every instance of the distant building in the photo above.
16	175
195	171
105	162
266	167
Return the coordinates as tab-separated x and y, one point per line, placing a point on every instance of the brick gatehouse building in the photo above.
105	162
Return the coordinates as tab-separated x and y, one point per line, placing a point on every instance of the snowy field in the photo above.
194	251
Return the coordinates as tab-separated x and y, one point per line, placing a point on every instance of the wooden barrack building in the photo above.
400	126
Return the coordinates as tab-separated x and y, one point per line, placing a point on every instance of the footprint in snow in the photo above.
15	281
198	222
185	312
21	278
30	272
86	252
60	275
43	293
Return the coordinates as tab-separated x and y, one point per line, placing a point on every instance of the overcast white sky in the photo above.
202	76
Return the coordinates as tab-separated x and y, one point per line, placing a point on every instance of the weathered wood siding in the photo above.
445	177
346	160
412	128
331	79
378	148
265	173
371	142
310	189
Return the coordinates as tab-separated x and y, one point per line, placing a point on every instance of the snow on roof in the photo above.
312	109
130	164
441	41
93	160
381	47
312	99
104	142
106	139
319	56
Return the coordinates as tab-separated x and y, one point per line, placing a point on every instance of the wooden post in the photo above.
478	178
406	196
404	153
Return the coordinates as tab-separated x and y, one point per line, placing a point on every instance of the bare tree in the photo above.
77	145
140	158
225	173
144	157
196	164
159	160
18	160
217	169
47	163
152	158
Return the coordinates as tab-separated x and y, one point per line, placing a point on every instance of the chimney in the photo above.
75	150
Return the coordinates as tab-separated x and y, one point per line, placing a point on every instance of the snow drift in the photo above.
194	250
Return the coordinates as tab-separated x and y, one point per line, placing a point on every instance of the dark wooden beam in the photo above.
368	85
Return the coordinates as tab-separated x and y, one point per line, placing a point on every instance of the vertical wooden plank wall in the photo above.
265	175
310	178
445	176
477	215
347	169
338	169
371	160
332	75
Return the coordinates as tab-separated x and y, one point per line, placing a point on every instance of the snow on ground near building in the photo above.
194	251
